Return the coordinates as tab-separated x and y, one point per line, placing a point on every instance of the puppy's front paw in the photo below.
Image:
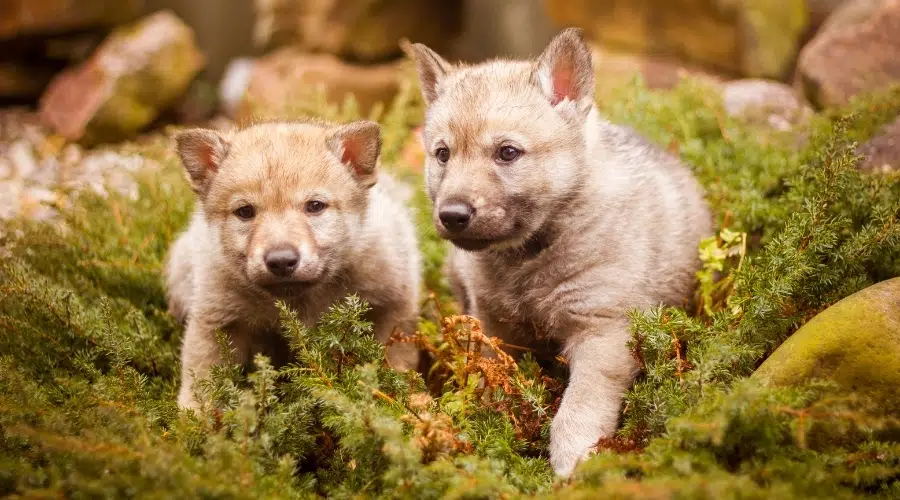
572	438
186	401
403	357
584	417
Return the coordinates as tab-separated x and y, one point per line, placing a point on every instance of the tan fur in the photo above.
363	241
589	222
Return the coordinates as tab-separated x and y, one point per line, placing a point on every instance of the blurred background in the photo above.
90	72
201	57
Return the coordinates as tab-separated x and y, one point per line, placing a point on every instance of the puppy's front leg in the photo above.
400	356
199	352
601	368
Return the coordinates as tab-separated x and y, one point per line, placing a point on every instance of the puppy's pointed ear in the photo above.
565	71
358	145
432	69
201	152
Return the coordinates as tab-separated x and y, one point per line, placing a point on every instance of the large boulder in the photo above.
134	75
30	17
854	343
357	29
758	39
855	53
282	82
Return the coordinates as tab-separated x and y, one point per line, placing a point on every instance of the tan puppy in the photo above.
562	221
292	211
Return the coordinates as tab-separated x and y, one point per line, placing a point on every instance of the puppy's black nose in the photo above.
455	216
282	260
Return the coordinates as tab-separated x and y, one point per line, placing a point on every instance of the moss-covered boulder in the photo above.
854	343
856	52
753	38
135	74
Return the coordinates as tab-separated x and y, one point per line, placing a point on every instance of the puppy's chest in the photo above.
263	314
520	295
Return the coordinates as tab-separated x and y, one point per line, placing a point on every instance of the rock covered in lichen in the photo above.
135	74
854	343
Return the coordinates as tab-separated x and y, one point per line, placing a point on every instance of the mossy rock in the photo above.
855	343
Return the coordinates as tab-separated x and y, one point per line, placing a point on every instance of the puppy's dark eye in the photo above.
314	206
507	154
442	155
245	212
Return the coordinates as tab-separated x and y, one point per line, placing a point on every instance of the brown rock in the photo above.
283	81
820	10
28	17
757	38
850	12
357	29
412	156
851	57
614	69
20	81
492	27
765	102
135	74
882	152
52	49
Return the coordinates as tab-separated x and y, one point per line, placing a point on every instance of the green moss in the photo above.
89	357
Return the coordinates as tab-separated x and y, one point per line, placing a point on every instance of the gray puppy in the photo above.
562	221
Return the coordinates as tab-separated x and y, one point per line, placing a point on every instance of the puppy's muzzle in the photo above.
282	260
455	216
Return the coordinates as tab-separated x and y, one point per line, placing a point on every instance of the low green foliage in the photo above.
89	356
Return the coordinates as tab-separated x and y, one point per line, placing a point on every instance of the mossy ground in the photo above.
89	356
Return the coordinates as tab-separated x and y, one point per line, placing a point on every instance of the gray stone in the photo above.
882	152
765	102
